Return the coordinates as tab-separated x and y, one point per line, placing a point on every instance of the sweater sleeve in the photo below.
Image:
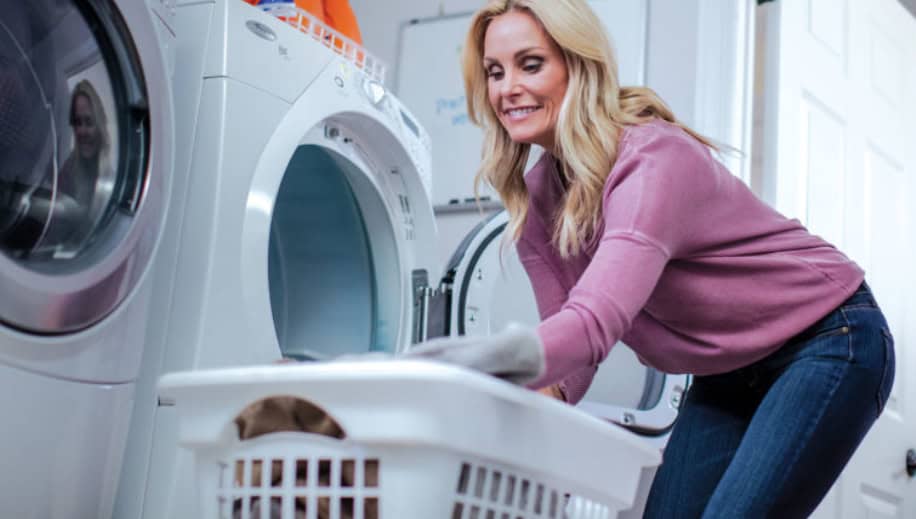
649	206
550	295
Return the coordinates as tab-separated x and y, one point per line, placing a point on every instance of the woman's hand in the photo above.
515	354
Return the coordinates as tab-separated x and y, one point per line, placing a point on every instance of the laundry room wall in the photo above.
381	25
380	22
695	53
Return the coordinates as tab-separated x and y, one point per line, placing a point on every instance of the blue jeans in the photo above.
769	439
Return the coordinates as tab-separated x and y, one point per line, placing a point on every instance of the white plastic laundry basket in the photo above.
423	441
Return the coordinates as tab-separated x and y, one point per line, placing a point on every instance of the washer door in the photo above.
76	207
489	288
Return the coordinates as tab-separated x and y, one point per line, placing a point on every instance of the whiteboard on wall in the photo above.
429	83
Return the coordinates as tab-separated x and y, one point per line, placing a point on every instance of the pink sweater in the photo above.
690	269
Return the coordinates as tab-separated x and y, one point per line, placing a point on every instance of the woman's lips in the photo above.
519	113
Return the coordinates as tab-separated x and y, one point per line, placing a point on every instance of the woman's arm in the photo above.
550	295
649	212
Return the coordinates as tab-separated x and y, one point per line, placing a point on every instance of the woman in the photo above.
84	182
630	230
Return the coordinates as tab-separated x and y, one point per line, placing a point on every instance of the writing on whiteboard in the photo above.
454	109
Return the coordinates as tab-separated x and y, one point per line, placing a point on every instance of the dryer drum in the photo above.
325	266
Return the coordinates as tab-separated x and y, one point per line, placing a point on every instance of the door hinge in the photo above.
432	308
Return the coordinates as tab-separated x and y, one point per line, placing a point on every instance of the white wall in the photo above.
696	55
380	23
690	46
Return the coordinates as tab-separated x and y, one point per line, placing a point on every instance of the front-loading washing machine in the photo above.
300	223
86	153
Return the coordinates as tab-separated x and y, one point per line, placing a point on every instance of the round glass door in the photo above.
73	162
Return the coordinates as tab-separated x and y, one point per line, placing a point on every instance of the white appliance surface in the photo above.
300	223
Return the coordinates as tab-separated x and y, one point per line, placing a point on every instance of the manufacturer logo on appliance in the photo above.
261	30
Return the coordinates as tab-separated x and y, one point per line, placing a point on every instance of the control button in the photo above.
375	91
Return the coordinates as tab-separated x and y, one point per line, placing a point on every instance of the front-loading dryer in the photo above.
302	226
85	164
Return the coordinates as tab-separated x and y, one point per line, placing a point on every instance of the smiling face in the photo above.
85	131
526	77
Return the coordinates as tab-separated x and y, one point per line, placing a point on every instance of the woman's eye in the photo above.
495	73
532	64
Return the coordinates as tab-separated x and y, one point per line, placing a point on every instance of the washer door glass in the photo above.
73	147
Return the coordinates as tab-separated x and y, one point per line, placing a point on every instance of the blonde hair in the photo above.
84	88
592	115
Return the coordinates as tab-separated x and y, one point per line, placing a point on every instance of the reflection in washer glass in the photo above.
58	136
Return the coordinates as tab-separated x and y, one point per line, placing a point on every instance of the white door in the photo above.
834	134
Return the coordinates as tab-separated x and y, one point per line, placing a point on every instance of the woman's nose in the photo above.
510	85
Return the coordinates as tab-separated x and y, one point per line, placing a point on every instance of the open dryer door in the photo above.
486	287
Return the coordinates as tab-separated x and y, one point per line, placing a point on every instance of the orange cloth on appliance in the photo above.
337	14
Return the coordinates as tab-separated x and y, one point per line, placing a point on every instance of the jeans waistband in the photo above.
861	297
